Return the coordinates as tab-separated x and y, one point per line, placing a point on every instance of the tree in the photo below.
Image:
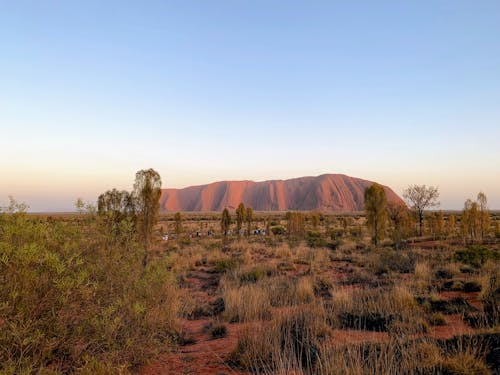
484	215
295	222
240	217
225	221
470	220
147	192
421	197
475	218
399	217
113	207
436	224
178	223
80	206
451	226
315	220
376	211
249	217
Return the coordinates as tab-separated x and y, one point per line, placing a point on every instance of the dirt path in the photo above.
205	356
201	353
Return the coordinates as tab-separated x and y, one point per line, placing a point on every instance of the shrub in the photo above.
223	265
278	230
464	363
437	319
373	309
72	296
314	239
256	274
476	255
218	331
391	260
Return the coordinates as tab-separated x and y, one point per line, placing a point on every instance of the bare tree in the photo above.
419	198
147	192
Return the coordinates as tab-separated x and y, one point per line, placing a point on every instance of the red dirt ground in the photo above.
205	356
209	356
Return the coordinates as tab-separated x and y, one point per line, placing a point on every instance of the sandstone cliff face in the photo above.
328	192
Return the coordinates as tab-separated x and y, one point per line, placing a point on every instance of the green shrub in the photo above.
72	296
256	274
314	239
278	230
476	255
223	265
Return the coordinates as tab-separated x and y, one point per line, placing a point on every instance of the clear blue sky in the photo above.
400	92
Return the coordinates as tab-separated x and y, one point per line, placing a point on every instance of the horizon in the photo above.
396	93
94	202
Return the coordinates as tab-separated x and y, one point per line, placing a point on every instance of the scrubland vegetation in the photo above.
308	293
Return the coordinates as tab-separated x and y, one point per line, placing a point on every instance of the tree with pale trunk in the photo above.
484	218
420	198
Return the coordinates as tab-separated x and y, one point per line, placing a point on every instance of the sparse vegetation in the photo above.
315	296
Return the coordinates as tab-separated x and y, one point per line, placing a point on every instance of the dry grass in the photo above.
246	303
422	277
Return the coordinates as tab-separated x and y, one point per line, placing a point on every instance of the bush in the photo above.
314	239
218	331
256	274
437	319
391	260
223	265
75	297
278	230
476	255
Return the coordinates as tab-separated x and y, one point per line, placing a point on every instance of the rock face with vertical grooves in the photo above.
328	192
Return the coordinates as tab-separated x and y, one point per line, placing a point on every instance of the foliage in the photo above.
399	217
475	218
178	223
476	255
278	230
70	298
376	214
421	197
249	218
147	192
314	239
114	207
240	216
225	221
223	265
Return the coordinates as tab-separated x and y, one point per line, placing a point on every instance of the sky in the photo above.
398	92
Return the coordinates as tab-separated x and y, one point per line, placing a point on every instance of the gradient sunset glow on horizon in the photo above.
395	92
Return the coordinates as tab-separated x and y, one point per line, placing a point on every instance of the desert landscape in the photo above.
110	289
264	187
